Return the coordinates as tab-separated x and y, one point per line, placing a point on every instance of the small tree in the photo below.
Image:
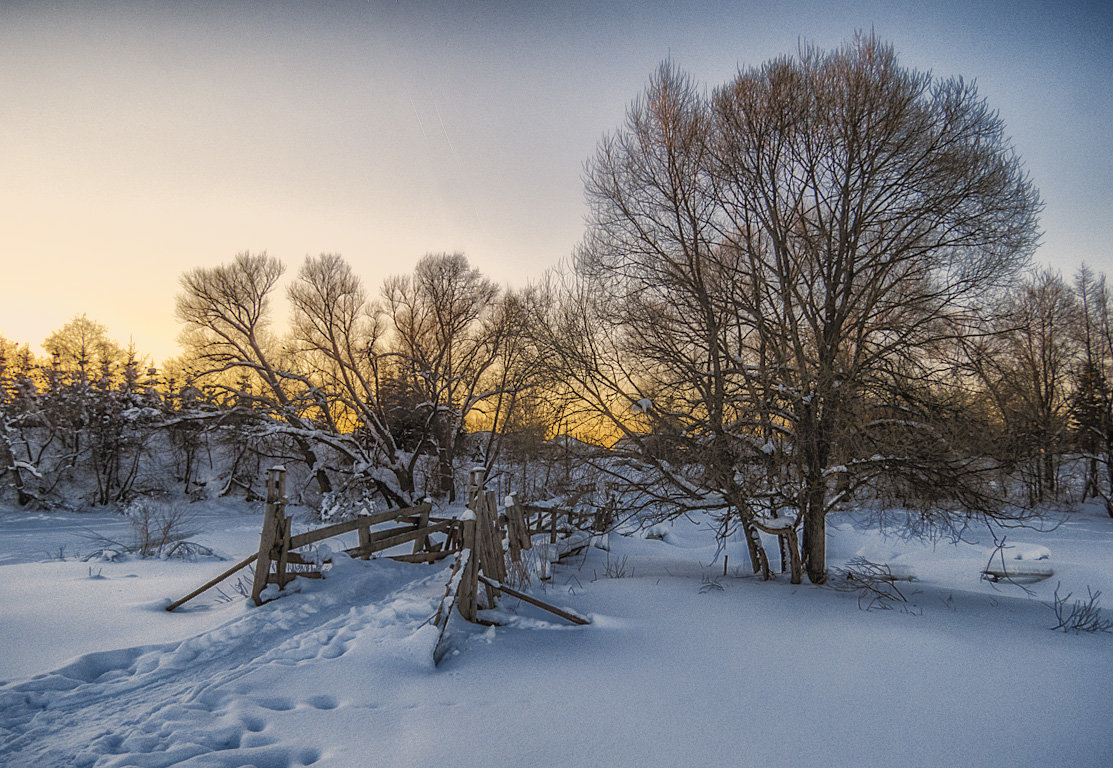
1092	405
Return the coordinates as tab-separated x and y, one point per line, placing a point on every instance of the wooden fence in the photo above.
277	547
483	540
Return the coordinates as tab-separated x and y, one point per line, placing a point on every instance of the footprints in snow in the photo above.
165	705
322	702
283	704
241	734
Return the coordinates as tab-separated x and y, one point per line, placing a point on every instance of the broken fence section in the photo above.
484	539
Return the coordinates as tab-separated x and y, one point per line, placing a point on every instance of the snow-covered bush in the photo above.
345	504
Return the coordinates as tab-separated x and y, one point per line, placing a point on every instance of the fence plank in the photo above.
350	525
421	557
381	540
539	603
274	527
213	582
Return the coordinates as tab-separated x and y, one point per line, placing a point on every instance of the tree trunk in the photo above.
1109	468
1092	489
758	558
793	554
815	536
1050	476
446	475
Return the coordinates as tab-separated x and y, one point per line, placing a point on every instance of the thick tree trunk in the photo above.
815	430
815	536
446	474
758	558
324	484
815	548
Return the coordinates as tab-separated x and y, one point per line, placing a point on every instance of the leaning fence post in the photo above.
283	545
516	537
476	481
498	557
274	530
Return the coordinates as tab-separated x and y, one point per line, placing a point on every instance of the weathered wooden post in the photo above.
468	589
364	532
488	548
498	554
514	530
525	541
422	543
276	530
476	480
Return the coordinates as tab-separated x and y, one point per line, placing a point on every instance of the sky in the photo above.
140	140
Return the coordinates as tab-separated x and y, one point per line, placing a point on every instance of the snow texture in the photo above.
340	673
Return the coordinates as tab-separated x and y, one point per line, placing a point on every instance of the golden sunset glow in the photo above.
140	140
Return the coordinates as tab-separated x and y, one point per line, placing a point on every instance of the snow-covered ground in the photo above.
681	665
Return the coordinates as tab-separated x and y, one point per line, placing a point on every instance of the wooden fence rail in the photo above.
483	539
277	547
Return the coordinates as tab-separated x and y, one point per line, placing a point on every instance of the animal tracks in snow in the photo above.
206	701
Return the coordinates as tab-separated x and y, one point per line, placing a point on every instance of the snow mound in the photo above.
1020	551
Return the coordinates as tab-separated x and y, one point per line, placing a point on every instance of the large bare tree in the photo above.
1024	369
338	336
448	327
225	313
779	257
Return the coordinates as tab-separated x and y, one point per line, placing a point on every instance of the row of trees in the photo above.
806	287
74	412
378	400
377	386
371	397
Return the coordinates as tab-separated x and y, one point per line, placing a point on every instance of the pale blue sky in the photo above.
138	140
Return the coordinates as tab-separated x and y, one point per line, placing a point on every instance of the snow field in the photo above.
681	666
